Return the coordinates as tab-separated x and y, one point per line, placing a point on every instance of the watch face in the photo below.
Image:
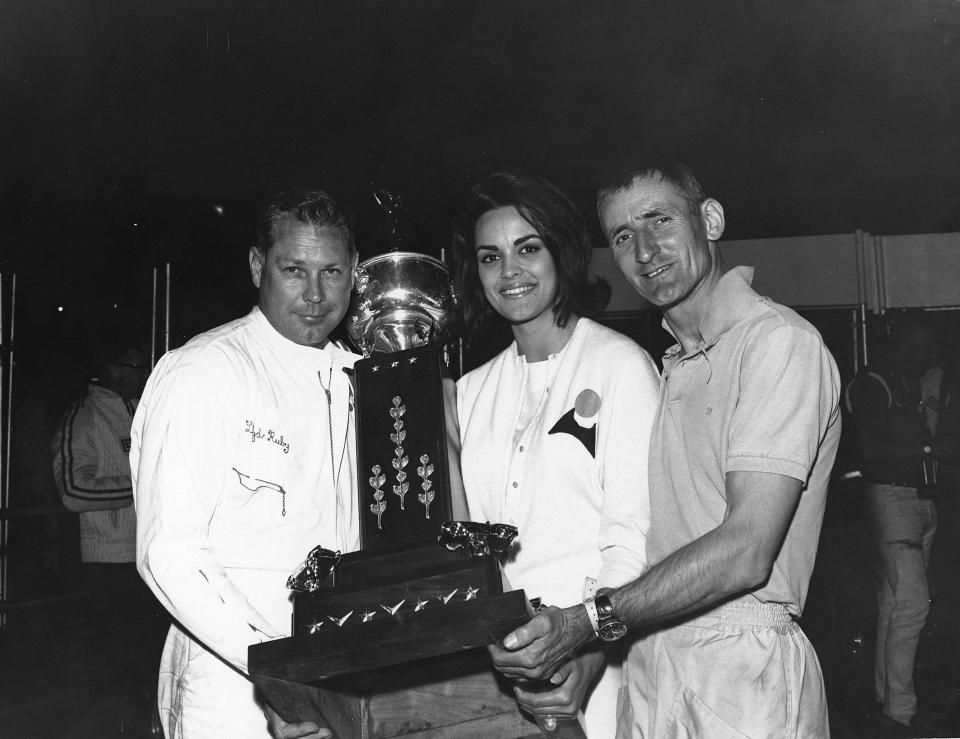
612	630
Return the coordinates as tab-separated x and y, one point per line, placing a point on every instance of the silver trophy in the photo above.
402	300
402	314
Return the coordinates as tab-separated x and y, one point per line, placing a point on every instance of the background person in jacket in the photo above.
92	473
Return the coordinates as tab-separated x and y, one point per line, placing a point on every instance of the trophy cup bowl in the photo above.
402	300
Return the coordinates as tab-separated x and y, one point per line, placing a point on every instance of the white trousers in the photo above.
742	670
903	528
202	697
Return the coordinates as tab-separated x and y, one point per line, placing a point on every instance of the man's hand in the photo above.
537	650
572	681
280	729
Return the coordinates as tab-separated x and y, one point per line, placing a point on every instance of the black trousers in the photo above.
128	623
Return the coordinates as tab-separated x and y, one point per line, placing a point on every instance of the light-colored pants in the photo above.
903	528
202	697
742	670
599	719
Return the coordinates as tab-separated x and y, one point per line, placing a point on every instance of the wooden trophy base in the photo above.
457	696
405	671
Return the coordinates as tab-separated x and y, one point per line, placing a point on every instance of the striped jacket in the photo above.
92	472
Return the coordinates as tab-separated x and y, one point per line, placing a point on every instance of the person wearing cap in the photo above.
740	457
92	474
243	461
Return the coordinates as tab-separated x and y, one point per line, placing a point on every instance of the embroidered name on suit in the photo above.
256	434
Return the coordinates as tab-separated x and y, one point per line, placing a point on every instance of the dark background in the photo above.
139	132
125	122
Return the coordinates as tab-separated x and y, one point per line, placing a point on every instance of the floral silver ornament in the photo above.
379	505
400	460
425	470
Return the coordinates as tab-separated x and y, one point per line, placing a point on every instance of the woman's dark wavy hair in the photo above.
562	229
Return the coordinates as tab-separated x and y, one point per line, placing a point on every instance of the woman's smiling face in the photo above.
516	269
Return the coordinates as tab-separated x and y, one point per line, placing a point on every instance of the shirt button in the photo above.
515	484
521	447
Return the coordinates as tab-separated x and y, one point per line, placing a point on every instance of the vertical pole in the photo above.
858	248
863	333
6	417
855	336
166	311
881	275
153	322
10	365
860	313
3	489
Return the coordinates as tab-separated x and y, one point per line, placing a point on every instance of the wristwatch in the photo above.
611	627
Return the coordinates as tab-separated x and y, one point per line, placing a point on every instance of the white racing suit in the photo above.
234	483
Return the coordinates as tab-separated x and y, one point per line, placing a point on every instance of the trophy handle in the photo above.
361	279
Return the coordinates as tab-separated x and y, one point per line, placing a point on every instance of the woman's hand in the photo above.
565	690
280	729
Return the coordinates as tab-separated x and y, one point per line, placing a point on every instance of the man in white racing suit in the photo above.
243	460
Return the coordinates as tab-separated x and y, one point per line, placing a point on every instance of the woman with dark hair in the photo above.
555	428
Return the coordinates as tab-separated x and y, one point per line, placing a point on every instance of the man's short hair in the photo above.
676	173
315	207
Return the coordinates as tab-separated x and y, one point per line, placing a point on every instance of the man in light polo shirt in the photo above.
740	456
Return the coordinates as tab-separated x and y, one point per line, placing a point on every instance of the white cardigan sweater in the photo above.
578	513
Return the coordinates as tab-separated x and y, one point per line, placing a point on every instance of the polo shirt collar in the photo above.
731	302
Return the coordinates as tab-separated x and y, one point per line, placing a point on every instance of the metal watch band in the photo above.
611	627
604	607
589	588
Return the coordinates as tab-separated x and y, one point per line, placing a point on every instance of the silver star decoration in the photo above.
394	364
446	598
413	360
367	616
376	368
342	620
471	593
421	604
315	627
392	610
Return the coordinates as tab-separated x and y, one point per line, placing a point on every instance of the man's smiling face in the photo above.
304	280
659	240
